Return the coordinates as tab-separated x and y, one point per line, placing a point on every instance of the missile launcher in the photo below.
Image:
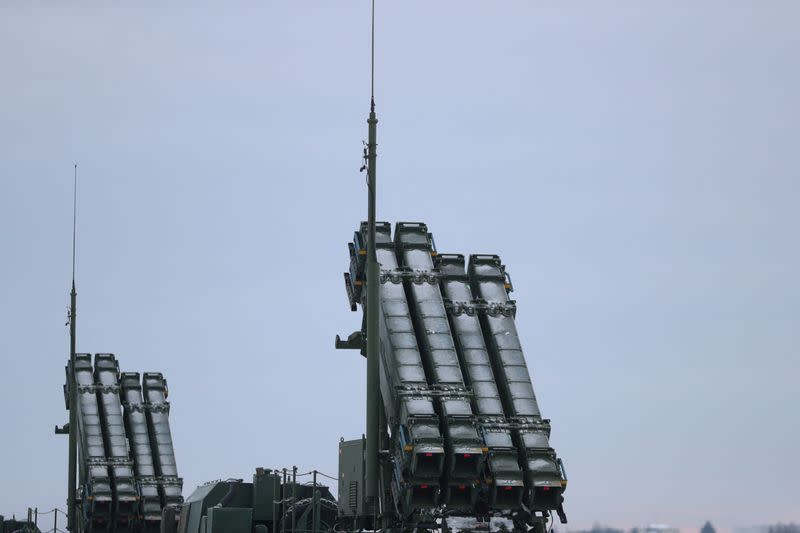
463	431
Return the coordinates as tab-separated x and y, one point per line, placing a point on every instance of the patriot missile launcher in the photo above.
463	434
126	472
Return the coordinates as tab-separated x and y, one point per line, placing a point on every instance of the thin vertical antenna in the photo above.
372	65
74	216
73	386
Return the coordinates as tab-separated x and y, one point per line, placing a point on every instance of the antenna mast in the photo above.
373	391
73	392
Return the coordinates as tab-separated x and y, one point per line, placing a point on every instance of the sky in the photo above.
635	164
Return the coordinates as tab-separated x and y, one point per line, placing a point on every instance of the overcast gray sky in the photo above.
634	163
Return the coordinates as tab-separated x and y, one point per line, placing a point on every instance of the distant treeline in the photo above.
784	528
605	529
707	528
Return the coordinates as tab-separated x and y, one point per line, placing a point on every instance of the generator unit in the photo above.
270	503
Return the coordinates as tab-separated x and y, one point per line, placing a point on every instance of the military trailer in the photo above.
271	502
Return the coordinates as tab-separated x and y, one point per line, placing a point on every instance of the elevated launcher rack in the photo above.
127	471
463	434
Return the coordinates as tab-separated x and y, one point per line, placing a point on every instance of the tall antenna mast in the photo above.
373	391
73	390
74	217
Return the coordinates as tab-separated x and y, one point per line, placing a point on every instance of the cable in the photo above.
318	473
327	476
56	510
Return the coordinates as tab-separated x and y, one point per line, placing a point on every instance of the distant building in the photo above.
656	528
